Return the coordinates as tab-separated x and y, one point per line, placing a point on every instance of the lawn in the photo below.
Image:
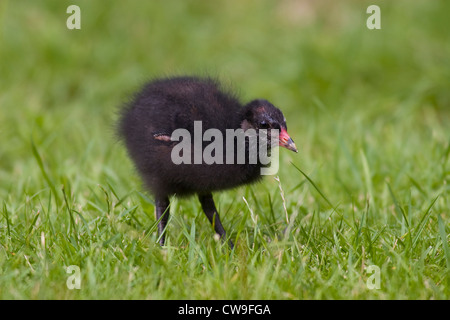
361	212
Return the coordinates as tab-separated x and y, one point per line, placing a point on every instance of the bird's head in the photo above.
261	114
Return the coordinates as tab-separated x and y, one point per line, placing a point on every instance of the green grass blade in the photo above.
422	222
6	215
314	185
443	235
50	183
398	208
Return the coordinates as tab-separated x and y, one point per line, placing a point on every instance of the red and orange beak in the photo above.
286	141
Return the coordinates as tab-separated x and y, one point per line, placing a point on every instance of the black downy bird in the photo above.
147	123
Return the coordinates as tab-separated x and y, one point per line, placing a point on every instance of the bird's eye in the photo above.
264	125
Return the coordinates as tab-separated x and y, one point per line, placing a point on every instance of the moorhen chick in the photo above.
148	124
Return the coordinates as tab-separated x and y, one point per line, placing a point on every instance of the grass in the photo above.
368	109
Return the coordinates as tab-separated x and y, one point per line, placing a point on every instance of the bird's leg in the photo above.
210	210
162	214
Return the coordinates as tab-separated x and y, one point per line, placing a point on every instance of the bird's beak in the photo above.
286	141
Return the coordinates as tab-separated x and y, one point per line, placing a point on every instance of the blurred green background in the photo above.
369	110
314	60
